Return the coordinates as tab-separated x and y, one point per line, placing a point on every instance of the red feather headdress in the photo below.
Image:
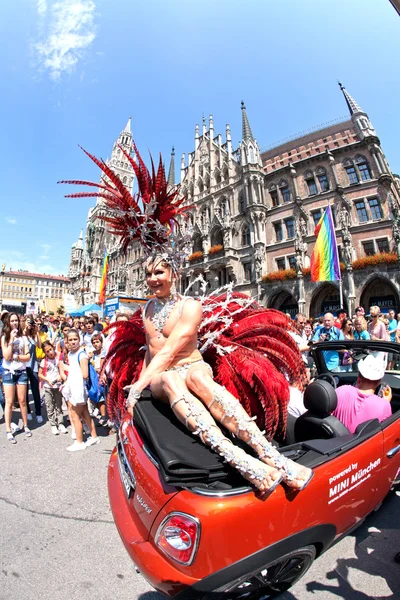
150	215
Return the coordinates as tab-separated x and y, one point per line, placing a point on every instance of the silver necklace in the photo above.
162	309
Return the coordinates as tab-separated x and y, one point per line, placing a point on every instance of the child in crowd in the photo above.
97	360
49	373
75	392
65	327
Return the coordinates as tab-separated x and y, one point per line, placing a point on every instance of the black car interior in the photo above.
320	400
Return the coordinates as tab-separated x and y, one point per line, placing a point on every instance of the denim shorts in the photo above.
16	378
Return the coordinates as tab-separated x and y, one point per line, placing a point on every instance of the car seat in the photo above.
318	423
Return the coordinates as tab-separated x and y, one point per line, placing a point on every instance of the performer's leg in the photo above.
226	409
199	421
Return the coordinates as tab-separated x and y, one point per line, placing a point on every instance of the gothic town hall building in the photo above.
255	213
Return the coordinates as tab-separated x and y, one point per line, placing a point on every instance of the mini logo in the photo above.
144	504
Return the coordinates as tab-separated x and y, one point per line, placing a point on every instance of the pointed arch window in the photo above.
310	181
246	238
323	179
252	158
351	172
363	167
285	191
273	192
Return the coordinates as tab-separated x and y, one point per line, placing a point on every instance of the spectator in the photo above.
358	404
360	329
65	327
32	368
346	333
376	328
49	373
359	312
341	316
300	338
75	392
97	361
82	329
392	325
15	349
328	333
87	337
54	330
3	317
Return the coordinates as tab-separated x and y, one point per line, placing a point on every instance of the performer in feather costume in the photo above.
200	356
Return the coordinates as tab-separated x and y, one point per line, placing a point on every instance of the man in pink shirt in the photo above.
358	404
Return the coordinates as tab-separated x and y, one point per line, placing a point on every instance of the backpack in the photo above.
94	389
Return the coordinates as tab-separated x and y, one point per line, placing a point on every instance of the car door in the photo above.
352	481
390	456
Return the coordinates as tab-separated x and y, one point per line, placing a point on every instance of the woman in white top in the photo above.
16	354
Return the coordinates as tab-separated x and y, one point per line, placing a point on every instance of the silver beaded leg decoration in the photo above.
211	435
232	408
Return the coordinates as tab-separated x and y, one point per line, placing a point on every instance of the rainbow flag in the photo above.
103	282
325	259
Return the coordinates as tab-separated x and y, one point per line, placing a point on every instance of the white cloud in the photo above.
15	260
41	6
11	221
69	31
46	248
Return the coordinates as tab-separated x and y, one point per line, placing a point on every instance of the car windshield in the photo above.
345	360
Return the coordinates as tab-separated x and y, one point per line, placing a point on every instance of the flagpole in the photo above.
337	256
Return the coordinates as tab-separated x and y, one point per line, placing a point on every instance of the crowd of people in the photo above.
360	402
52	357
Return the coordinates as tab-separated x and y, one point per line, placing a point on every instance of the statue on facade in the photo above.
90	235
259	260
344	219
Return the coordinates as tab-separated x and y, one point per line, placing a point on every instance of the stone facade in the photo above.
255	212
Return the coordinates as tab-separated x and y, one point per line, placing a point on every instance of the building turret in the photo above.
249	150
360	118
171	172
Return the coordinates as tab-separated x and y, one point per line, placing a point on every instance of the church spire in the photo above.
247	134
128	126
353	107
364	127
79	243
171	172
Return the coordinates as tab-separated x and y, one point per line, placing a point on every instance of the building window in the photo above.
278	231
246	239
323	182
316	215
292	262
285	191
364	171
247	271
312	186
361	212
376	209
352	174
289	227
274	197
280	264
369	248
383	245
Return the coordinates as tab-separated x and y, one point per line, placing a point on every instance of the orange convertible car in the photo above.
195	529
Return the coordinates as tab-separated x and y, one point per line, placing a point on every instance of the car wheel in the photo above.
271	580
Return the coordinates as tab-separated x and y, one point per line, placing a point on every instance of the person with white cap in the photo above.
359	403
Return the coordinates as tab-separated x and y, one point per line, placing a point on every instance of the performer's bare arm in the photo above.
183	332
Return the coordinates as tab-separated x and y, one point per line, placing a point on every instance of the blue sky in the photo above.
73	71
